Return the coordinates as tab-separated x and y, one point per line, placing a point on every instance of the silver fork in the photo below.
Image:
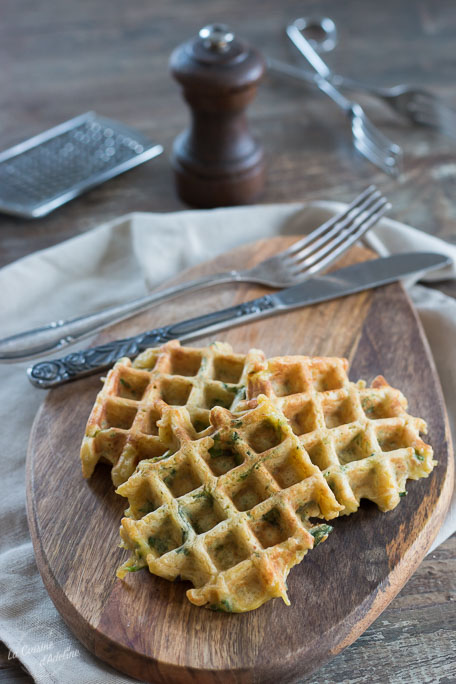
303	259
418	105
367	139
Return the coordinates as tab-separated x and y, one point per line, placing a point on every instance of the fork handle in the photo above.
306	49
321	68
59	334
297	73
322	77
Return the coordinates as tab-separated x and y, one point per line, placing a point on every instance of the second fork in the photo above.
367	139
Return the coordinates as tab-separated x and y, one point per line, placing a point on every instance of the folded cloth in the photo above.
112	264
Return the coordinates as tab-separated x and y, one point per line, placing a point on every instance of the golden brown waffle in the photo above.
122	427
362	439
229	512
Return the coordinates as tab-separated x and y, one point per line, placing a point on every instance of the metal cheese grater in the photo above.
44	172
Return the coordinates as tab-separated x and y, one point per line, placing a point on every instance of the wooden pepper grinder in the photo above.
216	161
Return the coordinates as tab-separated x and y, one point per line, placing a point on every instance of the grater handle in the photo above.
62	333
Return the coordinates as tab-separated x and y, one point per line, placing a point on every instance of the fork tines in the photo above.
374	145
317	250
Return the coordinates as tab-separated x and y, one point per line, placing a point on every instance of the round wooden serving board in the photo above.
145	626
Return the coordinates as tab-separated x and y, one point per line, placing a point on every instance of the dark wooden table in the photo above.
61	58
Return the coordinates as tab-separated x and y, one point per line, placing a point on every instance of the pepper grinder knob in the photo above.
217	37
216	161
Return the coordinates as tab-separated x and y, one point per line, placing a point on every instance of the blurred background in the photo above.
63	57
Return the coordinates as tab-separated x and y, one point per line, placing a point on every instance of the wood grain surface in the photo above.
62	58
339	588
112	56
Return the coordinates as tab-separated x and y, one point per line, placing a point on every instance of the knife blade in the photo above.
345	281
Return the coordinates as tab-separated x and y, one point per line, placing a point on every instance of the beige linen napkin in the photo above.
109	265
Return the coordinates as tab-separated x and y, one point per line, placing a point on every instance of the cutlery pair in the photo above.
295	267
345	281
419	105
303	259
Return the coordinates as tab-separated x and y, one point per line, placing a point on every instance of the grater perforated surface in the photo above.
44	172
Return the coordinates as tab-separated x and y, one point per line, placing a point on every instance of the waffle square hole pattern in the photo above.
228	370
328	379
303	418
319	454
270	529
112	442
223	457
394	438
203	513
167	537
132	385
175	392
214	395
265	436
181	479
377	407
119	415
356	448
287	471
149	500
249	492
228	552
288	380
200	420
338	412
185	363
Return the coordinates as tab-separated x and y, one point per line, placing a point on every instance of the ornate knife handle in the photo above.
54	372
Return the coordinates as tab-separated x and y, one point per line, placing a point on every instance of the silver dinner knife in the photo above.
345	281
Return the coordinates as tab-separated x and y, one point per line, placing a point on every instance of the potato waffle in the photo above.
122	427
229	511
362	439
